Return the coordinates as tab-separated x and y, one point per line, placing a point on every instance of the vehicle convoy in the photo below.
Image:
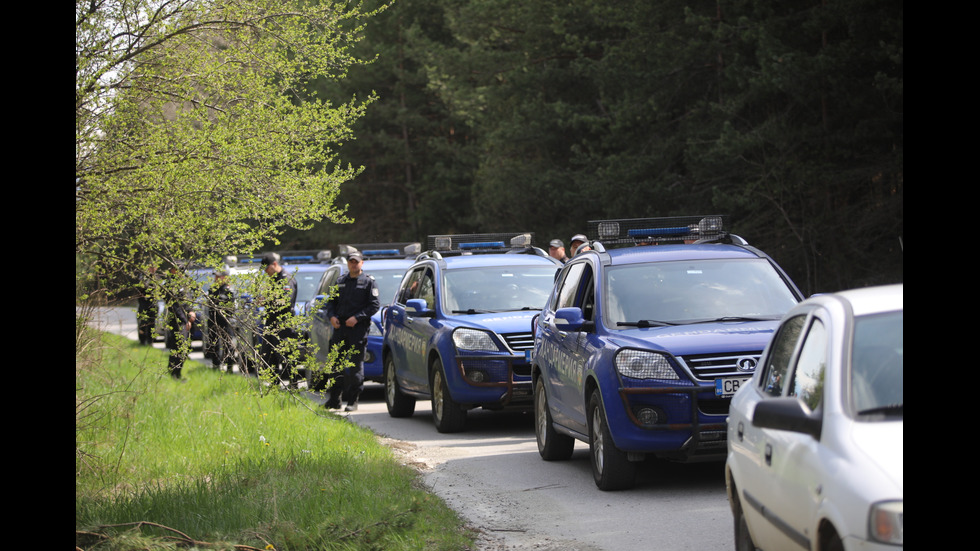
816	438
639	349
458	328
386	263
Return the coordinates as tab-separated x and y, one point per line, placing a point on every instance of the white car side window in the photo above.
780	355
809	374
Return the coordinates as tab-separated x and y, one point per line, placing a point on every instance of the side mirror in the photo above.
418	308
571	320
787	414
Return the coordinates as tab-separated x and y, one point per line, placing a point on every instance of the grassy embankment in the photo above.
160	464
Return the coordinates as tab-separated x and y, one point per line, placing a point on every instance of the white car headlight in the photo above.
374	330
471	339
885	523
643	364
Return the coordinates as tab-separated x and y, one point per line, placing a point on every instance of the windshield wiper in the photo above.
474	311
890	408
737	318
645	323
521	309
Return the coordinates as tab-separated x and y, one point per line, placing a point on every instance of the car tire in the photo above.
399	404
552	445
447	415
611	469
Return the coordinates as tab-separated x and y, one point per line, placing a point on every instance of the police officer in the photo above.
579	243
556	249
278	311
180	318
221	303
350	312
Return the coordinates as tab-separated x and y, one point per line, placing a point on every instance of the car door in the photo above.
750	445
780	480
795	460
570	348
320	328
410	334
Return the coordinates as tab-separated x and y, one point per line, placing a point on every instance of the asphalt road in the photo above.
493	476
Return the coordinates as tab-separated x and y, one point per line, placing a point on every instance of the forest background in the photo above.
508	115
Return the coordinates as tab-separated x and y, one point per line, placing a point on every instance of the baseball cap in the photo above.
578	237
355	254
269	258
556	243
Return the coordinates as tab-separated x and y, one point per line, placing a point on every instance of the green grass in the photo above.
214	461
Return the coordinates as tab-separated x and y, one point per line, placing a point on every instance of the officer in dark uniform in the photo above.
350	312
221	304
278	311
179	319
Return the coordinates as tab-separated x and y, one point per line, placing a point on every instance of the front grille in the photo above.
708	367
519	341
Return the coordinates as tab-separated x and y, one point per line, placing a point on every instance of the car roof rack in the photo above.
405	249
664	231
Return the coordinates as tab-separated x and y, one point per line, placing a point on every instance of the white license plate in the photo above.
728	386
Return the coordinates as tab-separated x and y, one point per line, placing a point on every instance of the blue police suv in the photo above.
640	348
458	328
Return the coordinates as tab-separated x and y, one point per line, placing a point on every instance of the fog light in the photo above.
648	416
476	376
368	356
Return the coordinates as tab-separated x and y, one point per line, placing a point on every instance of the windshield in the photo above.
388	282
694	292
877	364
307	284
497	288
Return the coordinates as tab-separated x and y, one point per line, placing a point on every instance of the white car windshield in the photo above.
497	289
877	364
699	291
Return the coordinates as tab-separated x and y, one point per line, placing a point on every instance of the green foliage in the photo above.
197	134
214	461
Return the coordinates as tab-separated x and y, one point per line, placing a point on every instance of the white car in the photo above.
815	440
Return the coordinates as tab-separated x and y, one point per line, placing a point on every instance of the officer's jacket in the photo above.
356	297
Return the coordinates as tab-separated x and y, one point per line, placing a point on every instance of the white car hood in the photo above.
883	443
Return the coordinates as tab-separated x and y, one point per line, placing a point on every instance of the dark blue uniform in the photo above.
277	329
356	297
220	336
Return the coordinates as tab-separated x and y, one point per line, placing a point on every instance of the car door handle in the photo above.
768	455
740	431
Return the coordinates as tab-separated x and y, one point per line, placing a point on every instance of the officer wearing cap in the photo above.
579	243
556	249
278	310
350	311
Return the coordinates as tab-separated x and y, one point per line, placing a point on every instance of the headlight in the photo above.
471	339
885	523
643	364
374	330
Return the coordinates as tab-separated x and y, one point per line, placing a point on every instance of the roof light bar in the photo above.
476	242
677	229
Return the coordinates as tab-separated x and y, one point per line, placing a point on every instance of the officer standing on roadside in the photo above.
221	303
278	311
350	312
556	250
179	321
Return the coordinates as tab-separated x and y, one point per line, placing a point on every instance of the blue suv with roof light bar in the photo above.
458	328
639	349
